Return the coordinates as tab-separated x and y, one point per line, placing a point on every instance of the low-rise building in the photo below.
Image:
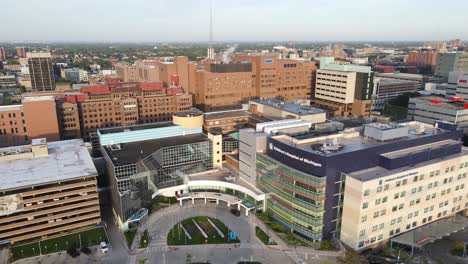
276	109
429	109
47	188
76	75
227	121
386	89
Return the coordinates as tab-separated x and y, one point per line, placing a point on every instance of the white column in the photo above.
217	201
193	200
180	201
205	200
228	204
238	206
246	212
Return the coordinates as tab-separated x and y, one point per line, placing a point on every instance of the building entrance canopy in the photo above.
429	233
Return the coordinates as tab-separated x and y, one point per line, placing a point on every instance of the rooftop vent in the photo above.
115	147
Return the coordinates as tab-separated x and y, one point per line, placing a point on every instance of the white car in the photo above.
104	247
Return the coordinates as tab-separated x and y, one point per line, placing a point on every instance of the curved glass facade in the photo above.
294	198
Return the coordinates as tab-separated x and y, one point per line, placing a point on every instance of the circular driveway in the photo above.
161	222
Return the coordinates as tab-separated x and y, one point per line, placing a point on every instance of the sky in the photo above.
234	20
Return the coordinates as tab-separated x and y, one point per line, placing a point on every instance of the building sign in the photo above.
402	176
293	156
268	61
10	204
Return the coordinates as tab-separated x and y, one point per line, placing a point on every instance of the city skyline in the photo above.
187	21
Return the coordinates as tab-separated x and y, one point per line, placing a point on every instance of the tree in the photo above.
352	257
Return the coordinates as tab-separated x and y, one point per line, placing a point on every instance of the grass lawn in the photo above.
88	237
176	235
145	239
161	202
129	236
281	230
263	236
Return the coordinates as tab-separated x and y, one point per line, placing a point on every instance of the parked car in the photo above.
73	252
235	212
86	250
104	248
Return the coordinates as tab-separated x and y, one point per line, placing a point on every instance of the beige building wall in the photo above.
378	209
335	86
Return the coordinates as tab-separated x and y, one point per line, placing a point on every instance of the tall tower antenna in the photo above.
211	54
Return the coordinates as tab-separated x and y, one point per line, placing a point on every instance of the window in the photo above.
386	186
363	219
400	206
384	200
365	205
380	237
377	202
405	181
394	208
402	194
410	215
374	228
392	222
379	189
398	183
396	196
376	214
381	226
383	212
362	232
366	192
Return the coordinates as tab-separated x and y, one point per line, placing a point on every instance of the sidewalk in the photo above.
4	255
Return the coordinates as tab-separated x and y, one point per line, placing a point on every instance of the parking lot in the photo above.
96	256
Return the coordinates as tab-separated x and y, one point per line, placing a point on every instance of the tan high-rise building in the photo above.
223	86
118	104
21	52
2	54
49	188
41	71
156	70
286	79
35	117
423	57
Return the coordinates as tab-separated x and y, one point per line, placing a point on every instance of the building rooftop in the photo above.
66	160
225	114
380	172
10	107
288	107
135	127
133	152
352	139
454	103
38	98
402	75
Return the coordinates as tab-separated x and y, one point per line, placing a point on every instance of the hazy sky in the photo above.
238	20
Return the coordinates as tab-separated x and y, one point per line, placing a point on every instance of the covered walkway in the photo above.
419	237
212	196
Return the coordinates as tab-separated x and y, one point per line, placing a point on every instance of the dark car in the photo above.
86	250
235	212
73	252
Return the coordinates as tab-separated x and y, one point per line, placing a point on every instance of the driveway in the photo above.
250	248
440	249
